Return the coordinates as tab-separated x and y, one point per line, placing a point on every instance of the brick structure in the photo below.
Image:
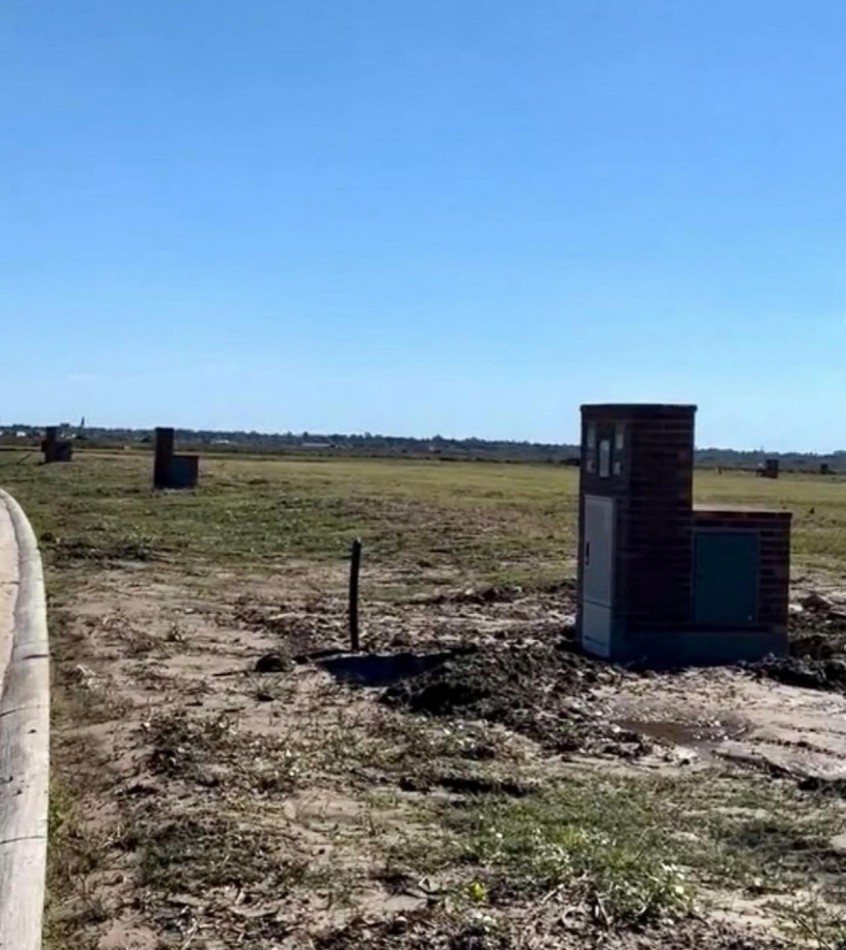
170	470
163	456
54	448
650	569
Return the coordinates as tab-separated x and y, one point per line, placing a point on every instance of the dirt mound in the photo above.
816	650
539	689
818	631
807	672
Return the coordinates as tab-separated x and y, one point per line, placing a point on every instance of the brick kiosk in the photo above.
660	582
171	470
54	448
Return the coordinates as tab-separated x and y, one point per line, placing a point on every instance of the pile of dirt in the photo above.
540	689
807	672
816	649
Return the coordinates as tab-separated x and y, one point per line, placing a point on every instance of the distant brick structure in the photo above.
771	468
657	581
171	470
54	448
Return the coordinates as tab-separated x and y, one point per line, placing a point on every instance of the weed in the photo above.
622	846
616	854
191	854
812	923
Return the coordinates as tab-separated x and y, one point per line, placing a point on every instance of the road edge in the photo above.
25	750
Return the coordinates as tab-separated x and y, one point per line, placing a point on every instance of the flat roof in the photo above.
639	408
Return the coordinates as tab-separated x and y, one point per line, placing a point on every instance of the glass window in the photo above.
590	448
604	458
619	447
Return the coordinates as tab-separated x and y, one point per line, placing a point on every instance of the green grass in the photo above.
469	522
636	850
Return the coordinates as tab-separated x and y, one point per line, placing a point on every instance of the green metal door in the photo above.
725	582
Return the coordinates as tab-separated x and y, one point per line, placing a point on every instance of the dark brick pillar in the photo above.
55	450
655	545
163	457
642	456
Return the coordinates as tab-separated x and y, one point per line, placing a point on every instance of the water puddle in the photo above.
705	735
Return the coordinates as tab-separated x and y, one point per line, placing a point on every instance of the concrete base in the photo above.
662	650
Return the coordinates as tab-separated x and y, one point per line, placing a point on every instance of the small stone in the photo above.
815	601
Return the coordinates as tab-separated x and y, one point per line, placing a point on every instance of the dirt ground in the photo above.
299	807
226	775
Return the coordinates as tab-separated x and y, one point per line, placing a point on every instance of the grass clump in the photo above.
194	854
613	850
813	923
635	850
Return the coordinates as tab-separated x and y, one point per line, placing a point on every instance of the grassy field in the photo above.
198	804
485	521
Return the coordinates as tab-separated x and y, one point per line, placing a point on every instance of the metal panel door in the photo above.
725	591
598	574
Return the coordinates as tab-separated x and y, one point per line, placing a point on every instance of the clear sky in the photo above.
424	216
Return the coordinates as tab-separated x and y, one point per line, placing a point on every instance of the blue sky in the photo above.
424	216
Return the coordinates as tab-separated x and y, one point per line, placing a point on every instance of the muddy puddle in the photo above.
787	730
702	736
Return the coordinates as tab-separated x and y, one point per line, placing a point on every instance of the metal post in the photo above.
355	566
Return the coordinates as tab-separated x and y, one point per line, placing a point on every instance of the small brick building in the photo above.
659	580
54	448
171	470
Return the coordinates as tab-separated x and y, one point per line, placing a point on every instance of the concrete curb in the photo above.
24	750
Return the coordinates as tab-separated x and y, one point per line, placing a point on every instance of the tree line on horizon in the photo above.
384	445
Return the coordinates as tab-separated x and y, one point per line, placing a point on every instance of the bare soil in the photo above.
215	806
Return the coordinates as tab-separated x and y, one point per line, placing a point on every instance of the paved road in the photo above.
8	585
